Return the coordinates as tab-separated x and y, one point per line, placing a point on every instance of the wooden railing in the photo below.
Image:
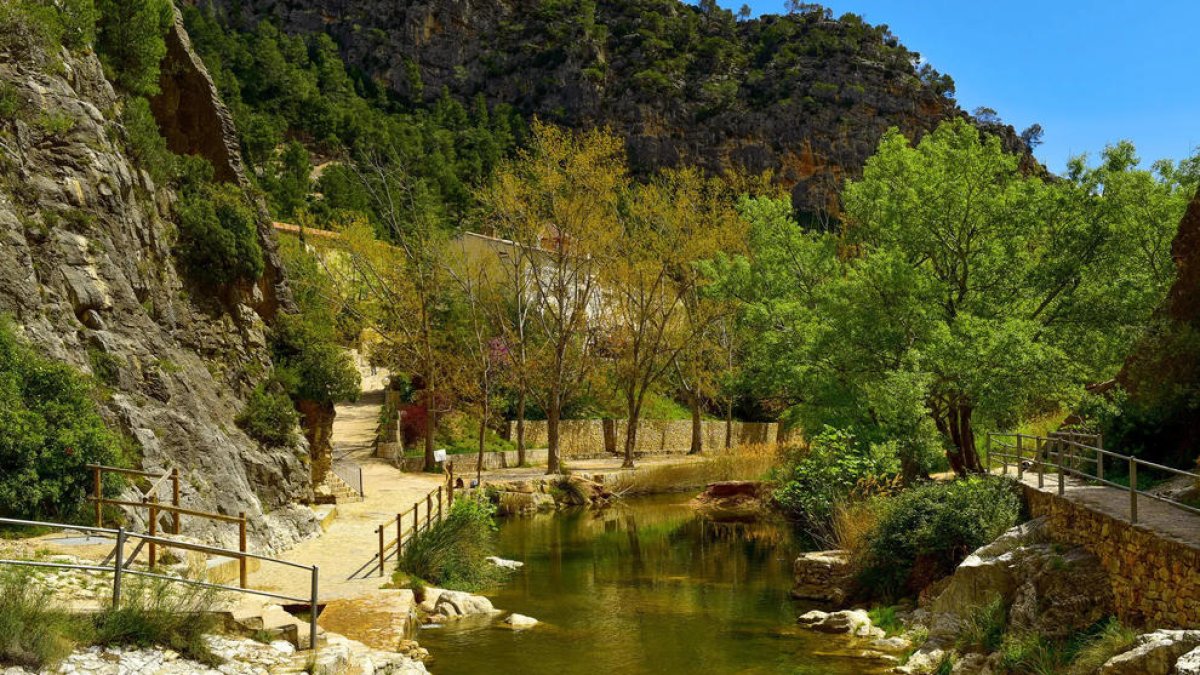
150	502
121	566
437	503
1063	453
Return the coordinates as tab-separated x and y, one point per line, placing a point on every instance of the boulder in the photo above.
824	576
849	621
1189	663
504	564
1047	588
1153	653
515	503
455	604
734	500
519	622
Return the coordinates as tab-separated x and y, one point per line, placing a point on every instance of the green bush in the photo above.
130	40
308	361
925	532
452	554
983	629
218	235
158	612
145	142
52	430
828	473
35	630
29	28
269	416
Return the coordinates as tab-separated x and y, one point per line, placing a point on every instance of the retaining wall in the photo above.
1155	579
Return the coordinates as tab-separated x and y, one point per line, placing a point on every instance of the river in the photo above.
645	587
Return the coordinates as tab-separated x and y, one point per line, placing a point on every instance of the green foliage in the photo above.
310	363
1095	650
55	124
983	629
145	142
1033	654
886	619
218	236
130	39
452	554
34	28
52	429
35	630
159	612
269	416
105	366
10	101
925	532
827	473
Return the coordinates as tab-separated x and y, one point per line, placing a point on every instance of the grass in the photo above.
983	629
37	631
747	462
1113	638
884	618
452	553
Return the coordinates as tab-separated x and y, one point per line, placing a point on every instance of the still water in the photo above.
644	587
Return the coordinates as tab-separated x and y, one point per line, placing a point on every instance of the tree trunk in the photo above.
631	427
609	427
552	461
697	435
482	435
521	427
966	433
430	429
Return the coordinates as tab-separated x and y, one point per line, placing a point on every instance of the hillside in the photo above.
804	95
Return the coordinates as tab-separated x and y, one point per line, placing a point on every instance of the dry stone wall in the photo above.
1155	580
585	438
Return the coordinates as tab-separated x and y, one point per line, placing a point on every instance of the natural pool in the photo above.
644	587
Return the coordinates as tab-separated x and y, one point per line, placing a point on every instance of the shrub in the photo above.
1031	653
983	629
269	416
452	553
10	102
35	631
130	40
145	142
28	28
52	429
1113	638
218	236
828	473
925	532
159	612
308	361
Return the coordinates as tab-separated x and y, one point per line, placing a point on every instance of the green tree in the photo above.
130	40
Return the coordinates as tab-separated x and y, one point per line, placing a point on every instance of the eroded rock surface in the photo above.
824	576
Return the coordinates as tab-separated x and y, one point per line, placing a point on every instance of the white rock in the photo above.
283	647
505	564
1189	663
520	622
1153	653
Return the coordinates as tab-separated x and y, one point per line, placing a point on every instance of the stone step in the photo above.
254	618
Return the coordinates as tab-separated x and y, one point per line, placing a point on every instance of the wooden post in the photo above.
313	611
416	525
1062	473
1041	466
1020	459
450	482
119	560
243	576
153	530
1133	491
98	493
439	503
379	530
428	510
1100	457
175	498
399	535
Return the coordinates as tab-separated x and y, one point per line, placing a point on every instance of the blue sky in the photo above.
1091	73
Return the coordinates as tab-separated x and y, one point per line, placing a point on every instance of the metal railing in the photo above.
1065	452
121	566
150	502
434	513
351	474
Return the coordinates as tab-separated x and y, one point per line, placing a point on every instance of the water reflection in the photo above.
645	587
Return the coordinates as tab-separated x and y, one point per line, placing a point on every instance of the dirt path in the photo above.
351	540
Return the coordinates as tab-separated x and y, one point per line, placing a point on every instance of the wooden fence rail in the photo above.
386	549
1063	453
150	502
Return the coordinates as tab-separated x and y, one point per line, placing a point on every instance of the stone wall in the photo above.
1155	580
585	438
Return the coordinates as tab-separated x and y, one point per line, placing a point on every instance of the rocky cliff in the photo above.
803	95
87	273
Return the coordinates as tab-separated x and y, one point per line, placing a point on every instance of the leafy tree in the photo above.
130	40
52	430
218	235
1032	136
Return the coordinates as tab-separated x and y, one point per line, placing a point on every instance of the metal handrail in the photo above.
1040	463
120	566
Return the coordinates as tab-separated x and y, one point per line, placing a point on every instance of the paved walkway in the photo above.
351	541
1161	518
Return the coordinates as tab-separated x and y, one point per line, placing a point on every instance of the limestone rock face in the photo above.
452	604
1154	653
1047	588
1189	663
87	269
823	576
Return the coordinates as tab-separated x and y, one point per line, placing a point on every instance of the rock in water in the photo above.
733	500
505	564
519	622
